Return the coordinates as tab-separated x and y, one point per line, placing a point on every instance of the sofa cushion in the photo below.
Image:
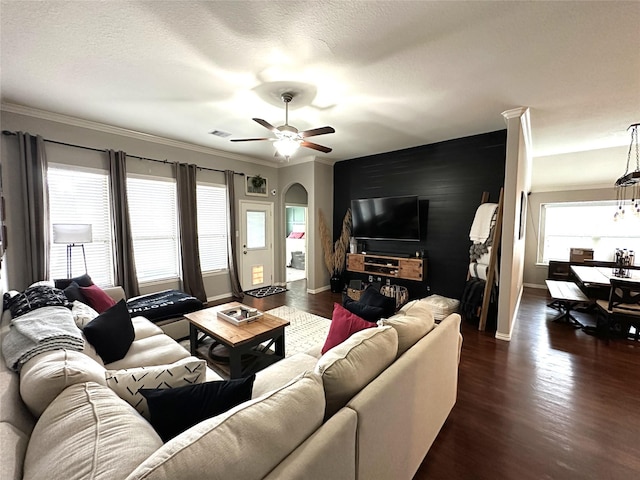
149	351
343	325
410	327
111	332
364	311
143	328
282	372
175	410
14	446
45	376
88	432
127	382
242	443
97	298
373	297
348	367
82	313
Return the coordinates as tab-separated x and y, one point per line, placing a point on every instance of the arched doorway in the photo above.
296	219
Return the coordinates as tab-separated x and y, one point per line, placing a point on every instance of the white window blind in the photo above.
154	227
81	196
212	227
586	225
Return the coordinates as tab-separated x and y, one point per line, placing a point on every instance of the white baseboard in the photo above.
507	337
219	297
318	290
535	285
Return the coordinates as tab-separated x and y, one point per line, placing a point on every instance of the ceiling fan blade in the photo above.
315	146
248	139
317	131
266	124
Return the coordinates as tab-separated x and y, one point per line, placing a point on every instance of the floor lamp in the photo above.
73	235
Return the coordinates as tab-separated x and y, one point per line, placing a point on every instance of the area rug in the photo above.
265	291
306	330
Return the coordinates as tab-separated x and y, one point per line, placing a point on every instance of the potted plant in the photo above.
335	254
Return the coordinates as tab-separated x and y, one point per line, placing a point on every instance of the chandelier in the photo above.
628	185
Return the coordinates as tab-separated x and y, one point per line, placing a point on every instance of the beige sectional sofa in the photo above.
369	408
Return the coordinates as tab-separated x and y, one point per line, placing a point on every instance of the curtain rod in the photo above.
7	132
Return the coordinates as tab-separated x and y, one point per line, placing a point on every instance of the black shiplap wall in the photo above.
451	175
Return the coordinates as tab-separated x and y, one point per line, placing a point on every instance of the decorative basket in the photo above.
354	294
401	294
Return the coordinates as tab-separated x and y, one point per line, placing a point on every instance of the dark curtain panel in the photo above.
124	261
236	289
35	195
192	282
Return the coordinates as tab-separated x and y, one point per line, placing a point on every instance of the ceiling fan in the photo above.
288	138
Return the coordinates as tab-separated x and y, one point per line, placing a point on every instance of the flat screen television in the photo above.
386	218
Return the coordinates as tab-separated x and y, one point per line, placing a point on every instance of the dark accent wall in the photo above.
451	177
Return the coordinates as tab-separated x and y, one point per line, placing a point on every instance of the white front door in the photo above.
256	243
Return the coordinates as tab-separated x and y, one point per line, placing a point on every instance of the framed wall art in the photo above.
256	185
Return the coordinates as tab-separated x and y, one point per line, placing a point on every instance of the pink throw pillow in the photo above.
343	325
97	298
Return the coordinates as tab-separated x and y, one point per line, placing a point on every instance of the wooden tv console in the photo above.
387	266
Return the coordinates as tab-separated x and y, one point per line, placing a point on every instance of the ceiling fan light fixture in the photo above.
287	146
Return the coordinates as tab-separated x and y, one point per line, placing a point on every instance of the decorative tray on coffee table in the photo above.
239	315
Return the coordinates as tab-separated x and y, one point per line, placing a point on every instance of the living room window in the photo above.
212	227
585	225
81	196
154	227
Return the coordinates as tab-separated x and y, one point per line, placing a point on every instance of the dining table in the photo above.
595	281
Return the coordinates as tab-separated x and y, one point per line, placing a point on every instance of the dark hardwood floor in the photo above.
554	403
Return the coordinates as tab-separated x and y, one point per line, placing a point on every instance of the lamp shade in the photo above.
72	233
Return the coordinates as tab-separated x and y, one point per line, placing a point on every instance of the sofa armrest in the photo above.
117	293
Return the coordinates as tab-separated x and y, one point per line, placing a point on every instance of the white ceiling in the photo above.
386	75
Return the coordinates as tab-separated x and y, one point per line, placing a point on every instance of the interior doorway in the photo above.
296	216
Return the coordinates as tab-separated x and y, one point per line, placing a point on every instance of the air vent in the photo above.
220	133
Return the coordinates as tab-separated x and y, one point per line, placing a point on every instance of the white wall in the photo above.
517	180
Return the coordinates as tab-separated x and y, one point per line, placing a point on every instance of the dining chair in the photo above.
622	312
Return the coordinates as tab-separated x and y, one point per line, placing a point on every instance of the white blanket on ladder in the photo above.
481	226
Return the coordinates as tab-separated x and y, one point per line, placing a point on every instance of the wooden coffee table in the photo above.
240	340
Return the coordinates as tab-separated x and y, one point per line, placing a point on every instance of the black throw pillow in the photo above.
374	298
174	410
82	281
35	297
364	311
73	293
111	333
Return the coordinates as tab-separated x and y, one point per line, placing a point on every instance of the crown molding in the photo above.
102	127
514	112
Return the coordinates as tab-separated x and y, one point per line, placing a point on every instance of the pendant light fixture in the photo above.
628	185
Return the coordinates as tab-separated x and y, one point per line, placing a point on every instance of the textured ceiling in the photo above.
386	75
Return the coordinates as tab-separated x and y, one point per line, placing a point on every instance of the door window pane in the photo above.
256	229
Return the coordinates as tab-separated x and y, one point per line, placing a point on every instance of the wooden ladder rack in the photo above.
493	259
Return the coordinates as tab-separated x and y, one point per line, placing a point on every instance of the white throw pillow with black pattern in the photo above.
127	382
82	313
